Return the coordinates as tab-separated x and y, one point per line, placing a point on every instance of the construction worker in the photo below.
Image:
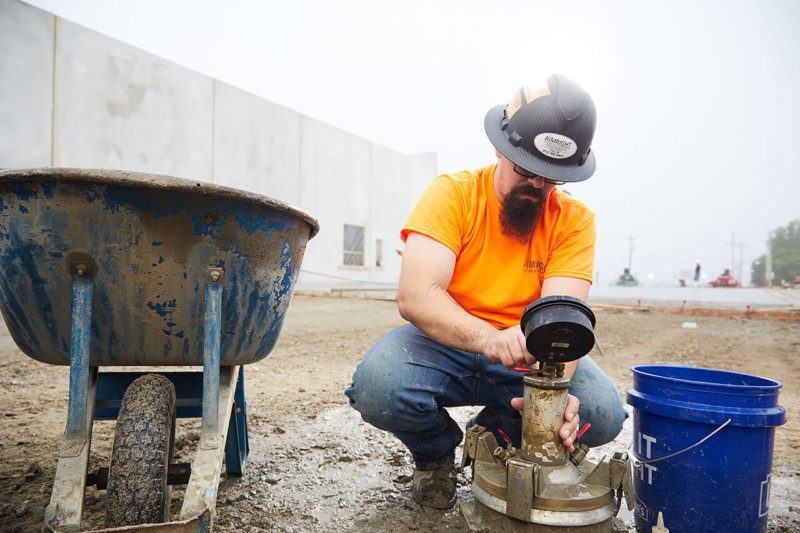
480	246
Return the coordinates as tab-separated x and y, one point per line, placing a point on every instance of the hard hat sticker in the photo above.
532	93
513	106
555	145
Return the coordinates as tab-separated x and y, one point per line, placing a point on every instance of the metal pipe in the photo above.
542	417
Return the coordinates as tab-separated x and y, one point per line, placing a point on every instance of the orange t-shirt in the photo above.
496	277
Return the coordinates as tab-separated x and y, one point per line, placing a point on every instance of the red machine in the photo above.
726	280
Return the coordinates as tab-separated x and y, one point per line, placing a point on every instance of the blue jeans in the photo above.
407	379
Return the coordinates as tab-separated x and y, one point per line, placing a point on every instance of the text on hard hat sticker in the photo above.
555	145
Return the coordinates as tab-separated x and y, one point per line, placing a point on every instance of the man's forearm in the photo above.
440	317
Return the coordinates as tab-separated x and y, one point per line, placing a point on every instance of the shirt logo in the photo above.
531	265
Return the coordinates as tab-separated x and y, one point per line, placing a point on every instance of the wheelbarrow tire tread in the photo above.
138	492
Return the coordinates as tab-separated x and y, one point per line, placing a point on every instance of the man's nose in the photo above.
537	181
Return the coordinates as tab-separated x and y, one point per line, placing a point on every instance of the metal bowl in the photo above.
146	242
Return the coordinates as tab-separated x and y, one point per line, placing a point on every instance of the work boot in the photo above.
434	485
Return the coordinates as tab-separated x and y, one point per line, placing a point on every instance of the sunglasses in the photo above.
527	174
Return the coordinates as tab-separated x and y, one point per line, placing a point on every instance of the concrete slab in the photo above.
319	284
735	299
792	296
693	296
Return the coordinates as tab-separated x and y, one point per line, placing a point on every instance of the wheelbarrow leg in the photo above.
212	323
66	500
237	445
219	388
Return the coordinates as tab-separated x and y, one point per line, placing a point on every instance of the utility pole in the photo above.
630	255
733	247
768	266
741	263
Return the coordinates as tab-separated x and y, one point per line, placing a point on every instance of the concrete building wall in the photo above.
71	97
336	187
256	144
119	107
26	85
399	180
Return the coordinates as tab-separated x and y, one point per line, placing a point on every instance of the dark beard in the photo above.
519	213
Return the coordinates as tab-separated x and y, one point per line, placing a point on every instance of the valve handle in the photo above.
508	439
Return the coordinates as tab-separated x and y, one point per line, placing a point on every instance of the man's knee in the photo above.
372	378
382	389
601	404
606	422
372	388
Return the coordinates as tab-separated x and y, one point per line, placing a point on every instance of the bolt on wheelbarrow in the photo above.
102	269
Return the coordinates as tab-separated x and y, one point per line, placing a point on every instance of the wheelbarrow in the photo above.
105	269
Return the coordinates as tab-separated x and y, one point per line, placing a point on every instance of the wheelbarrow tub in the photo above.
149	242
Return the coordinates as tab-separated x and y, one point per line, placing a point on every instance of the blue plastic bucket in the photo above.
721	485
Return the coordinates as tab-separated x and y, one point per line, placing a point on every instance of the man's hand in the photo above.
569	429
508	348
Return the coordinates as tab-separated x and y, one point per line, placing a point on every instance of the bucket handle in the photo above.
638	464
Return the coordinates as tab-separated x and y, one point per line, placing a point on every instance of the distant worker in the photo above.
627	279
697	272
481	246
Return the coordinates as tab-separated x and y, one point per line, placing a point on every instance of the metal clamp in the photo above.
470	446
521	482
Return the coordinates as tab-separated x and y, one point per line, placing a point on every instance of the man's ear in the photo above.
497	153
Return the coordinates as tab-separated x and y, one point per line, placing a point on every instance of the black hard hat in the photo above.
547	130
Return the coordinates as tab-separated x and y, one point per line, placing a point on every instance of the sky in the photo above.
698	102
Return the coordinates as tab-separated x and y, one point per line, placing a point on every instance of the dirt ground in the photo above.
315	466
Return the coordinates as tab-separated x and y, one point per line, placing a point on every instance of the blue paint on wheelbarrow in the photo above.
149	241
722	484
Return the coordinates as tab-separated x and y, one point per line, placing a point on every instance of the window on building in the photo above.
379	253
353	245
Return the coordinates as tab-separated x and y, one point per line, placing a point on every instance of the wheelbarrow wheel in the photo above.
138	492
